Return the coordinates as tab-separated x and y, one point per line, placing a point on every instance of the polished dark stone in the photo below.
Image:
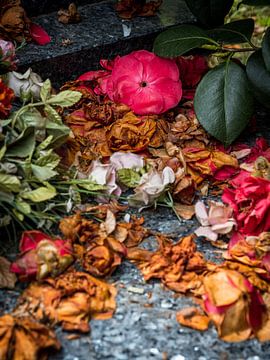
37	7
99	35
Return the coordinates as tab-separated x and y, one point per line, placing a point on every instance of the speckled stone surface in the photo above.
99	35
37	7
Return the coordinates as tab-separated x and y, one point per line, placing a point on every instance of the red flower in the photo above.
38	34
100	76
145	82
41	256
192	68
6	98
250	199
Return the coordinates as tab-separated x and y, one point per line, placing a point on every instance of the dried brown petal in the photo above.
194	318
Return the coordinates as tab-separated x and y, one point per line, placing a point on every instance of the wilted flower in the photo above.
234	305
25	85
145	82
152	185
250	200
41	256
7	56
126	160
103	174
217	221
131	133
6	98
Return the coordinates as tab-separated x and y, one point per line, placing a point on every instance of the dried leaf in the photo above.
7	278
70	15
194	318
24	338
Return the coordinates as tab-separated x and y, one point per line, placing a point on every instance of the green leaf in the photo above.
9	183
2	151
59	132
88	184
234	32
23	146
223	102
45	91
266	49
31	118
179	40
50	160
41	194
53	114
210	13
44	144
22	206
65	98
43	173
128	177
6	197
5	220
259	78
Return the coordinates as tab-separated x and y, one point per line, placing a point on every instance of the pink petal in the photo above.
207	232
39	35
30	239
201	213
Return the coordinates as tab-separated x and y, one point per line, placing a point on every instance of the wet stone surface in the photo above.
77	48
144	325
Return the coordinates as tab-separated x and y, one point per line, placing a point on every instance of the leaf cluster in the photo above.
224	99
32	181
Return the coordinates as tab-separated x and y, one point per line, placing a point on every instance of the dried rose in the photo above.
145	82
41	256
218	220
6	98
131	133
25	86
234	305
7	56
151	187
127	9
249	197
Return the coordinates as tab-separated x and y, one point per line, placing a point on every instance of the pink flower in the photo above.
41	256
217	221
145	82
7	56
250	200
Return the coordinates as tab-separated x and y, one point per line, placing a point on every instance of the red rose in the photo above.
250	199
6	98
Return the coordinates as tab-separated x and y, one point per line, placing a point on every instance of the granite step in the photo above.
76	48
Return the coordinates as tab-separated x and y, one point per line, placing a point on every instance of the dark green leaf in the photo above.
179	40
266	49
259	78
210	13
223	102
234	32
24	145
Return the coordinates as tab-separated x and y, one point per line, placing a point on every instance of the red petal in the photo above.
39	35
30	239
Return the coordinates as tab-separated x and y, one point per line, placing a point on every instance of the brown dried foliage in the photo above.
14	23
127	9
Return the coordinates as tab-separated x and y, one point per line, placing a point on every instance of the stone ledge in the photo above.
100	34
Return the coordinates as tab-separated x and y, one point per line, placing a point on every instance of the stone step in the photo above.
37	7
76	48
